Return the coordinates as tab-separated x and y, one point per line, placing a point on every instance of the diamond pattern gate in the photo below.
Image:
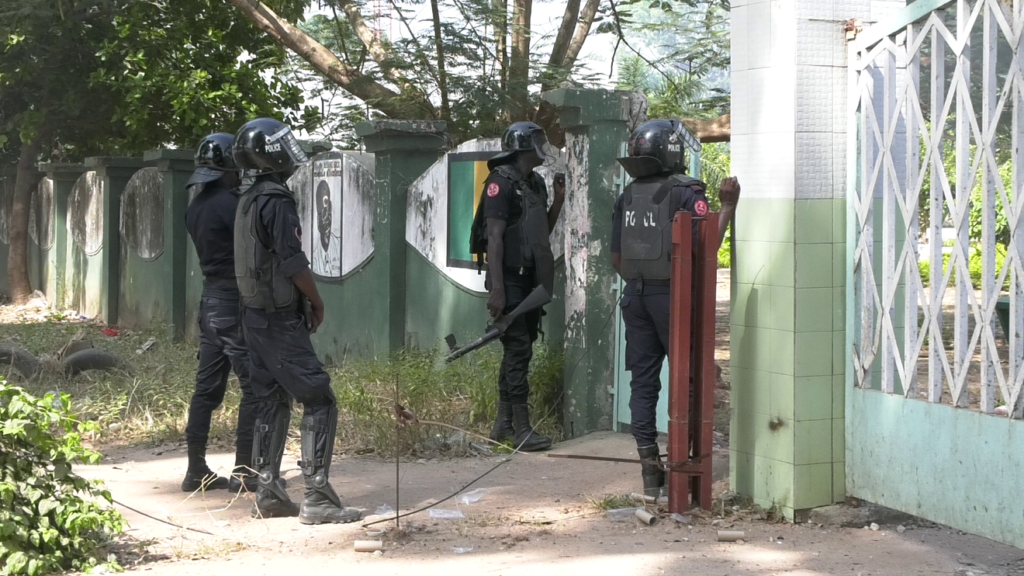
935	282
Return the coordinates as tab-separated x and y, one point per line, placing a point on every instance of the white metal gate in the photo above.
936	127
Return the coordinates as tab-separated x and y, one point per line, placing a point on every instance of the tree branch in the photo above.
582	31
519	65
561	46
327	63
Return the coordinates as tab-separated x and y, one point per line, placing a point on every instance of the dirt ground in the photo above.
536	517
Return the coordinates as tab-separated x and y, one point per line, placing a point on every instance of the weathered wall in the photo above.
145	279
84	281
41	261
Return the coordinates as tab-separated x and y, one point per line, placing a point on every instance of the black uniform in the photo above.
645	310
210	221
522	203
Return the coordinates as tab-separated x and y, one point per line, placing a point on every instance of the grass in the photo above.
613	502
148	404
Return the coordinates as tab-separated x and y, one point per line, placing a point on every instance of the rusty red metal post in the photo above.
705	284
694	280
679	360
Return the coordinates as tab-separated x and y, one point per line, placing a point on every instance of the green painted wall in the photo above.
64	177
437	307
925	459
153	291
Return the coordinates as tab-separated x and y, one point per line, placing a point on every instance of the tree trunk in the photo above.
17	262
500	8
442	77
582	31
519	66
561	46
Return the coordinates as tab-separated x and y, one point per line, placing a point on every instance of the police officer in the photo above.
210	220
274	280
518	223
641	245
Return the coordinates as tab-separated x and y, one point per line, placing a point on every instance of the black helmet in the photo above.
265	146
213	158
657	147
520	137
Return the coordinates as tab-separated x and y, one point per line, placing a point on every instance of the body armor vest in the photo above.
647	213
260	282
527	241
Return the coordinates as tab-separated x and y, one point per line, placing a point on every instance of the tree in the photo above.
87	77
472	63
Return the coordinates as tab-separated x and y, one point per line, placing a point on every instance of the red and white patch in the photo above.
700	207
493	189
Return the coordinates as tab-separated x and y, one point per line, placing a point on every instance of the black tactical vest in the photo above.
528	241
260	282
647	211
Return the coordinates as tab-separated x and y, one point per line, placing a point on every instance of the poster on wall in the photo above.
467	172
327	194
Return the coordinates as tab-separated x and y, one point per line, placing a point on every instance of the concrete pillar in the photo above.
63	177
114	174
788	312
403	150
176	167
595	127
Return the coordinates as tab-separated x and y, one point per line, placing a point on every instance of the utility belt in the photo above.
641	286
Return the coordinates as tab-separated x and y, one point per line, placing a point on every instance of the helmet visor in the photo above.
547	153
289	144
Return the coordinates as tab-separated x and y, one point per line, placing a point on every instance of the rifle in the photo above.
537	299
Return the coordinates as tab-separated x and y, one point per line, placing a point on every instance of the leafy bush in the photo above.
49	520
974	266
725	254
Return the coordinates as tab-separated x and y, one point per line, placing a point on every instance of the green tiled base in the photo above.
789	352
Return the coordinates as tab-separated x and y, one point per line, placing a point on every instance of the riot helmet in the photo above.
658	147
522	137
267	146
213	158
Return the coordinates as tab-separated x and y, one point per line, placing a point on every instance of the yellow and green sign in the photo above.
467	172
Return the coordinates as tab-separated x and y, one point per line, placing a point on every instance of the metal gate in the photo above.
935	283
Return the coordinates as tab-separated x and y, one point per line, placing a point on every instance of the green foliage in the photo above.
119	76
50	520
974	267
725	254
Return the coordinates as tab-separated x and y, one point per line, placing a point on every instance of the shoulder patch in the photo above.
493	189
700	207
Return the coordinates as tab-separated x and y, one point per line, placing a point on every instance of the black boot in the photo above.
651	474
203	480
272	500
503	430
322	504
526	439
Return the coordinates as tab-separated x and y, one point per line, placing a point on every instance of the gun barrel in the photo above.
480	342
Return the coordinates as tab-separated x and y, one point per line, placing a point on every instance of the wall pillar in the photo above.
595	128
403	150
789	83
114	174
176	167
